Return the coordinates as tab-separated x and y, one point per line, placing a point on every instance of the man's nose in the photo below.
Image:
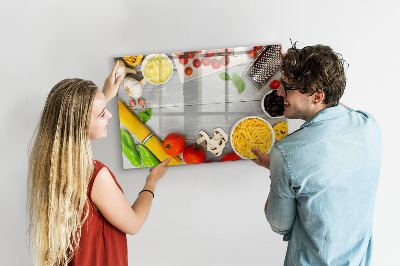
281	91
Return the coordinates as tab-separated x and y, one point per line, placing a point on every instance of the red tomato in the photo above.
174	144
191	54
258	47
210	53
252	53
194	154
205	61
230	157
179	53
228	50
275	84
220	51
215	63
188	71
225	60
183	59
196	63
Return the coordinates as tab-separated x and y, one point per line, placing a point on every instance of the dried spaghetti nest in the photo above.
133	60
281	130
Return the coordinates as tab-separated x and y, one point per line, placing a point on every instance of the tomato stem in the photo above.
196	147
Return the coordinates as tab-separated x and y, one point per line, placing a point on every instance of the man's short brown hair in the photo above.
316	69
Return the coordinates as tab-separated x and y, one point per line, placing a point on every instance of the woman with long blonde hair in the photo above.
78	212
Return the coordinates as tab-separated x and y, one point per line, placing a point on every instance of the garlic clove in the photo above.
142	102
132	103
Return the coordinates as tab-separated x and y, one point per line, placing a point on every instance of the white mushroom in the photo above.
215	145
203	137
219	133
134	87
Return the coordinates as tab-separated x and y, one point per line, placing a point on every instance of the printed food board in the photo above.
201	106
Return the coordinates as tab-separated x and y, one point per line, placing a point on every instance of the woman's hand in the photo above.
158	171
263	159
111	85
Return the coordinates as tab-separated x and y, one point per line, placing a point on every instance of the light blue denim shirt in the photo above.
323	183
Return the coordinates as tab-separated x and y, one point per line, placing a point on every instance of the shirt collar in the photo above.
326	114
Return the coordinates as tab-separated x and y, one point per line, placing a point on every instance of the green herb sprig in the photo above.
237	81
146	115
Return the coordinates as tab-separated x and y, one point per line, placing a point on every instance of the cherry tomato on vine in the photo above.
205	61
225	60
258	47
188	71
191	54
196	63
210	53
183	59
215	63
228	50
275	84
219	51
252	53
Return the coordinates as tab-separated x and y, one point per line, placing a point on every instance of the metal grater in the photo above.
264	66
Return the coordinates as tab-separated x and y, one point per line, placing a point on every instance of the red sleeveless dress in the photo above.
101	243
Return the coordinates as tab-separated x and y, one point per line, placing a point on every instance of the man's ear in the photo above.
318	97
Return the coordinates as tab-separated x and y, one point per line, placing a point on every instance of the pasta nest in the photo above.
133	60
281	130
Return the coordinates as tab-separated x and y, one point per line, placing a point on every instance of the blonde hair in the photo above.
60	167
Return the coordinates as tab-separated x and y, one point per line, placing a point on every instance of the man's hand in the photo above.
111	85
263	159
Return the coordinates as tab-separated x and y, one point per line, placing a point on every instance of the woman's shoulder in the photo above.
97	165
101	169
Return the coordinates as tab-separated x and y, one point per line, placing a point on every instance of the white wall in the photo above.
202	215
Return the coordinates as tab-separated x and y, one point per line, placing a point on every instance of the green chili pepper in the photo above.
129	149
148	159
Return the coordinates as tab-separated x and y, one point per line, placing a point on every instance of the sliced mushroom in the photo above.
216	146
219	133
203	137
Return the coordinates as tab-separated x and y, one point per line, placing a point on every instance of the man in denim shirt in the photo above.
323	176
